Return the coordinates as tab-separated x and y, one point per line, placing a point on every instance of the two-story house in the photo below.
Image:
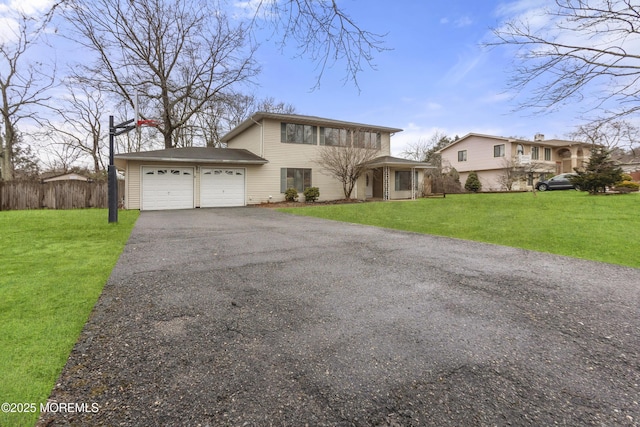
494	157
265	155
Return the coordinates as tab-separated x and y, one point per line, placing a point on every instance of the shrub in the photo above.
473	183
311	194
291	195
627	187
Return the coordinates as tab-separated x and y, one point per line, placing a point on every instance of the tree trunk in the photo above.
7	153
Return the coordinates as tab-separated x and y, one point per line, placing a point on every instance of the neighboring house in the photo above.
71	176
499	161
265	155
632	168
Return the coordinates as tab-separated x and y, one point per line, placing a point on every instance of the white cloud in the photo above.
10	14
463	21
460	22
26	7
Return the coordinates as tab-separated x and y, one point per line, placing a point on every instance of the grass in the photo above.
54	266
576	224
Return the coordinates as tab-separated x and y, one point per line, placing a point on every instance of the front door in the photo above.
368	179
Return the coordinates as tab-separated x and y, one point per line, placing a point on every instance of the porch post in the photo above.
385	183
413	183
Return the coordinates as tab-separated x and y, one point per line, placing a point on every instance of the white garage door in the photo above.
221	187
167	188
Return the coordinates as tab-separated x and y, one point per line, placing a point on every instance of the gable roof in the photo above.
195	155
307	120
546	142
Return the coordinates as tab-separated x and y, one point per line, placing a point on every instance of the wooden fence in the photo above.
16	195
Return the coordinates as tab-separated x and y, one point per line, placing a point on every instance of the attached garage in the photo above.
186	178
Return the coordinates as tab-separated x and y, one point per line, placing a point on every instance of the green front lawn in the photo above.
54	266
600	228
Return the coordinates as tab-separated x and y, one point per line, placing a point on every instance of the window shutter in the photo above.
283	180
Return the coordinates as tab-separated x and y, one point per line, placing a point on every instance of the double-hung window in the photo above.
462	155
297	178
498	150
298	134
535	153
547	154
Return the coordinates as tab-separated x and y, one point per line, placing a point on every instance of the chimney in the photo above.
538	137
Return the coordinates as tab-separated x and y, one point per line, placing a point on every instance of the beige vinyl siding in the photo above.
479	154
249	140
264	181
133	188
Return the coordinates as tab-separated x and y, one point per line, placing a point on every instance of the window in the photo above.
535	153
403	180
298	134
462	156
519	150
547	153
498	150
297	178
368	140
335	137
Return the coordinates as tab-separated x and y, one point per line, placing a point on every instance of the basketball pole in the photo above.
115	130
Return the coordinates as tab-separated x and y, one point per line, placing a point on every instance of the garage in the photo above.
221	187
167	188
186	178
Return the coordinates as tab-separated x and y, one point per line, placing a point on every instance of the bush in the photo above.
291	195
311	194
473	183
627	187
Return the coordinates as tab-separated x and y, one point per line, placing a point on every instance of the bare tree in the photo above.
178	54
23	83
346	164
221	115
582	47
60	157
425	150
609	134
78	126
324	32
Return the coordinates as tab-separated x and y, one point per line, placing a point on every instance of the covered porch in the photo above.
393	178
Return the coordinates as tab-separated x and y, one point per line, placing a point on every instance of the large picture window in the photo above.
498	150
403	180
297	178
298	134
335	137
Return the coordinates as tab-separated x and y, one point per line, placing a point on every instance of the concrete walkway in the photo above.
247	316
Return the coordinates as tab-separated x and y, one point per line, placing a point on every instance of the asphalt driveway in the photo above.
250	317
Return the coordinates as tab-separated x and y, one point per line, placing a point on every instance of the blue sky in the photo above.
437	77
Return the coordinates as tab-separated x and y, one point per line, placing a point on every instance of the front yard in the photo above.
599	228
54	266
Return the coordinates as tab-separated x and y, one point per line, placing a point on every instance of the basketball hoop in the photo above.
141	123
